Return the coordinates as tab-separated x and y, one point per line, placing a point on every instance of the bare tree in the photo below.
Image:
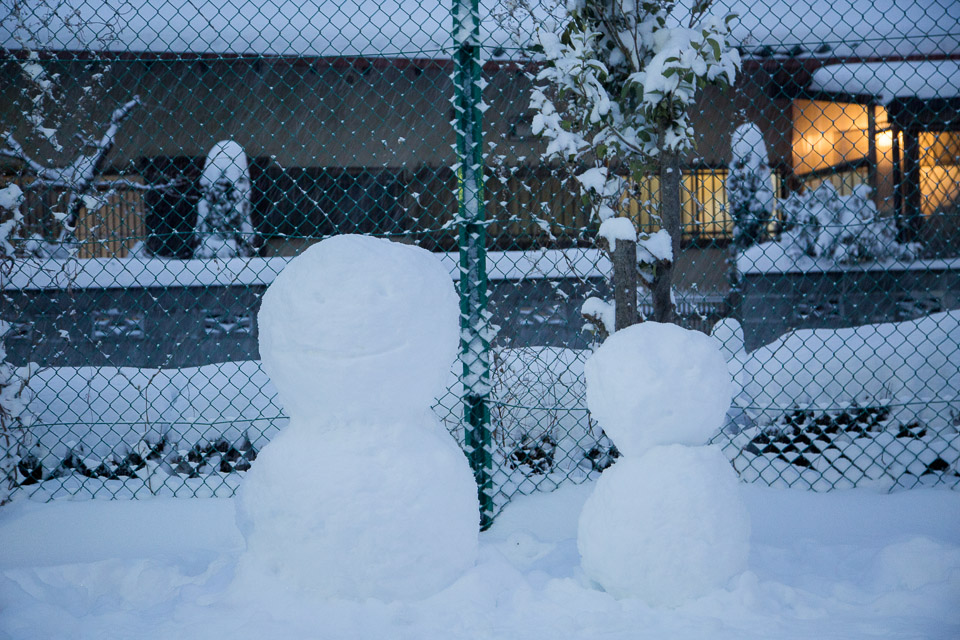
63	141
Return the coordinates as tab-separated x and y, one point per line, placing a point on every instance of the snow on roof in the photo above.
925	79
847	27
422	28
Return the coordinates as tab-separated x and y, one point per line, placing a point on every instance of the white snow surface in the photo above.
926	79
911	361
848	564
665	527
618	228
361	327
653	384
655	246
364	494
776	257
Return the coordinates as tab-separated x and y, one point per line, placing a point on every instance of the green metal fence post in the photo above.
474	318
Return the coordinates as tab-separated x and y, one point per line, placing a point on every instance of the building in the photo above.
344	110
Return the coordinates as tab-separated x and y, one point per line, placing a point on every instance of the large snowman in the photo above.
666	523
364	494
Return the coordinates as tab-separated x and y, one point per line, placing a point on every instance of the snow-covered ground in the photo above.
845	565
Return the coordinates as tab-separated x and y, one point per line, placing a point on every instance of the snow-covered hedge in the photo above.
224	226
847	229
750	197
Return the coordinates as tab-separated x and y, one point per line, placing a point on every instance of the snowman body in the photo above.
364	494
666	523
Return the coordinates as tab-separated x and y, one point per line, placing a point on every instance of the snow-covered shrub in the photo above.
151	459
848	229
538	413
16	457
224	228
11	219
750	197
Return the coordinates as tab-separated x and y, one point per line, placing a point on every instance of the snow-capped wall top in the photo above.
925	79
423	28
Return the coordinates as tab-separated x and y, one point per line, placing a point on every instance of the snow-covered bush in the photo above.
11	219
848	229
224	228
16	458
614	90
750	197
537	412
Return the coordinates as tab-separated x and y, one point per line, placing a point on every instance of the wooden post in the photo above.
872	157
912	195
625	283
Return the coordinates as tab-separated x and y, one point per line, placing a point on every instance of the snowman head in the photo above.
655	384
358	327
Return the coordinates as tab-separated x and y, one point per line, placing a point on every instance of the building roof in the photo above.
924	79
422	28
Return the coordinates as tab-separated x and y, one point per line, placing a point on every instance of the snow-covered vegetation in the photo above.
224	227
613	95
542	434
750	198
18	460
821	223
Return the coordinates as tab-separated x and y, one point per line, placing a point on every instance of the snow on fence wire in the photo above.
160	164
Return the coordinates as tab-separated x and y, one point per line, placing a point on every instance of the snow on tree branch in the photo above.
617	82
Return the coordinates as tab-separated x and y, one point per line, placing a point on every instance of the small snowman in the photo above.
364	494
666	523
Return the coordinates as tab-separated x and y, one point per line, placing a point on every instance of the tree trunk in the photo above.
625	283
663	308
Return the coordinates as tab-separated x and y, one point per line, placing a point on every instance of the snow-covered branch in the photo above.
618	80
13	149
103	185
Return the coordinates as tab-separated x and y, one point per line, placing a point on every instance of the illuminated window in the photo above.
829	134
939	169
703	200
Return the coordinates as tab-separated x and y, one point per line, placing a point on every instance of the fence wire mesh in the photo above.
162	161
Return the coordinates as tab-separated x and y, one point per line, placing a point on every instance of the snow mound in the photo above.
653	384
894	360
666	527
364	494
357	511
357	326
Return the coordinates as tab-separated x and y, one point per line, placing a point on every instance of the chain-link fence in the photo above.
163	160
